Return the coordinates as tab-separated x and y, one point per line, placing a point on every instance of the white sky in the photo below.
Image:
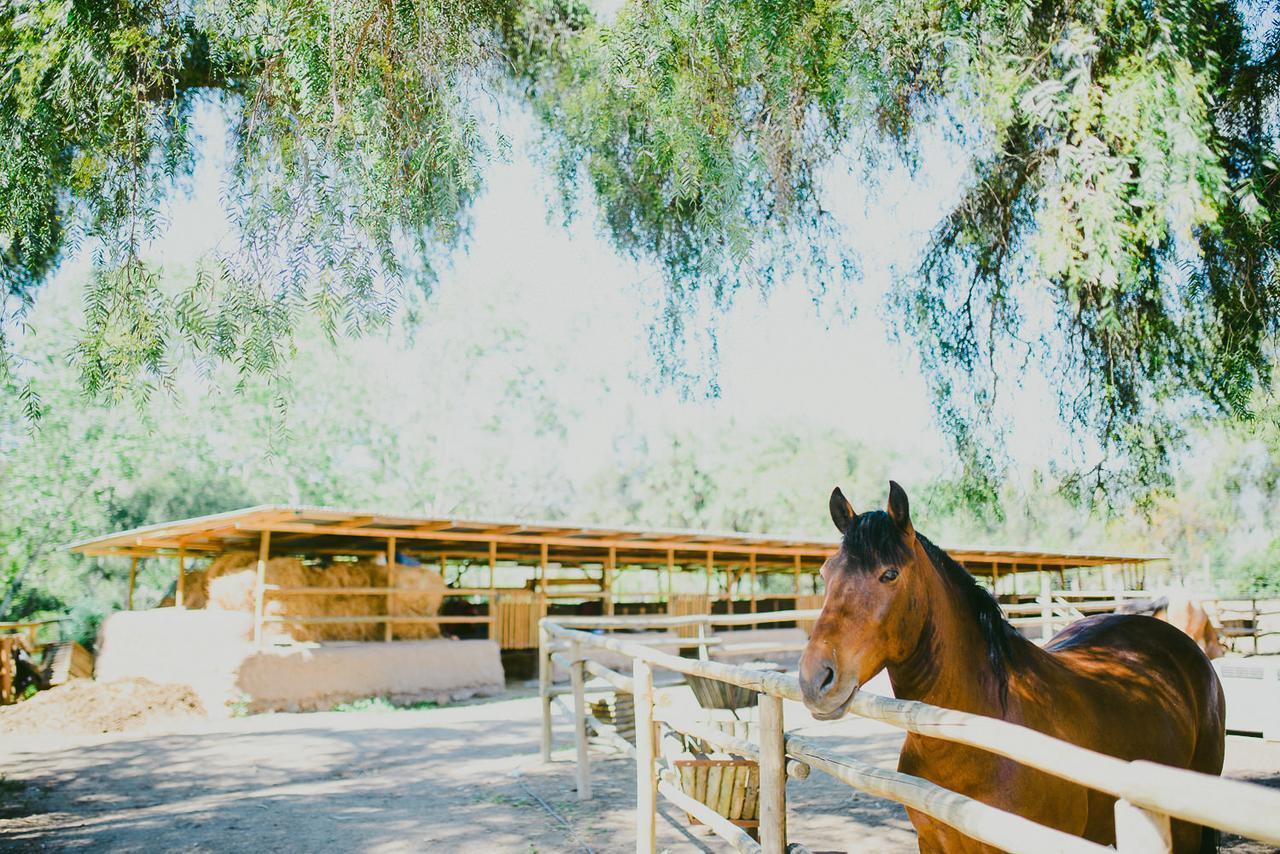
778	358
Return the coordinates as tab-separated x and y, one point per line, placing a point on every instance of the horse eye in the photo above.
889	575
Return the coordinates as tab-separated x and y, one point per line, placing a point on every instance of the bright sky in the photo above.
778	358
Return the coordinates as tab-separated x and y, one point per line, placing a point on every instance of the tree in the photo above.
1118	226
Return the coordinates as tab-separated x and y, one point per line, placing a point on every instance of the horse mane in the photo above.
996	630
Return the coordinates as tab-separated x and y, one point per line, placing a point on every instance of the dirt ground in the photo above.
463	777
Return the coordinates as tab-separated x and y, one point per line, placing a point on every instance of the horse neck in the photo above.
949	666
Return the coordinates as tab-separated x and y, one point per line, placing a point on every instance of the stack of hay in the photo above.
230	581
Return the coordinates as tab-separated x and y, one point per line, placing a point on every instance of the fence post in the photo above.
773	777
646	779
544	689
1140	831
580	725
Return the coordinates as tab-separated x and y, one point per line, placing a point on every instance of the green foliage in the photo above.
381	704
356	150
1117	227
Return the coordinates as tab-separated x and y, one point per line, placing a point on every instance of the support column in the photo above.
493	591
671	570
710	571
753	588
179	599
609	570
133	574
796	583
1046	605
259	588
389	631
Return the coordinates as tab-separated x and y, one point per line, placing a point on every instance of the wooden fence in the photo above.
1148	794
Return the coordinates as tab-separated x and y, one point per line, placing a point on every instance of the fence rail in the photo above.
1148	794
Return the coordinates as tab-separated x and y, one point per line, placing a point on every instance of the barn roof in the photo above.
327	530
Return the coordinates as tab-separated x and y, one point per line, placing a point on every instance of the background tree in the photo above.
1117	228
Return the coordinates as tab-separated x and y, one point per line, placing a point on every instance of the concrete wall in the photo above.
212	652
315	678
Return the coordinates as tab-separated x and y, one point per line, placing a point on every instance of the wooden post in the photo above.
753	588
773	777
544	689
133	574
178	597
671	568
796	583
391	585
1046	606
710	571
493	591
1139	831
646	778
608	580
542	572
259	588
580	725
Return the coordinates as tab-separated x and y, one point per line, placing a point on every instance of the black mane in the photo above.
996	630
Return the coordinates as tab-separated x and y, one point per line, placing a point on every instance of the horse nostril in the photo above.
828	678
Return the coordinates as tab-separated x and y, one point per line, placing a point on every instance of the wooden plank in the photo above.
389	631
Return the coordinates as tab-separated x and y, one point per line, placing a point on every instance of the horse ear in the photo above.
841	511
899	509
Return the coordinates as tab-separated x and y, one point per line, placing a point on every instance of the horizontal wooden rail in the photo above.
1242	808
1006	831
725	829
371	618
383	591
644	621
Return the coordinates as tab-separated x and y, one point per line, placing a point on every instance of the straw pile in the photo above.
417	604
231	579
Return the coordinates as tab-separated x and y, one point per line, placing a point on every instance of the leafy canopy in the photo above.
1118	223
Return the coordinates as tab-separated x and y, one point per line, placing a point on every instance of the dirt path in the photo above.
465	778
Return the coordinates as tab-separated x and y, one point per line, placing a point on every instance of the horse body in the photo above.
1129	686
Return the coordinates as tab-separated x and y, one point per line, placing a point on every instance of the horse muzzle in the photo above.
826	694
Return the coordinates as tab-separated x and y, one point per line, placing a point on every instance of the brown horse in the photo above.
1130	686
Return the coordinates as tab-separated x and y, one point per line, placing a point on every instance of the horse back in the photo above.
1139	689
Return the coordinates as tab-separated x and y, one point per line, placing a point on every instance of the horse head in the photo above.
875	606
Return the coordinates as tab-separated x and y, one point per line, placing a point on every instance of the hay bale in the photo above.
229	581
417	604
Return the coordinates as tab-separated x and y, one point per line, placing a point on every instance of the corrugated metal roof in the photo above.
305	529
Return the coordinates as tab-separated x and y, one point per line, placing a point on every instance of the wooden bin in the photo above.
727	783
